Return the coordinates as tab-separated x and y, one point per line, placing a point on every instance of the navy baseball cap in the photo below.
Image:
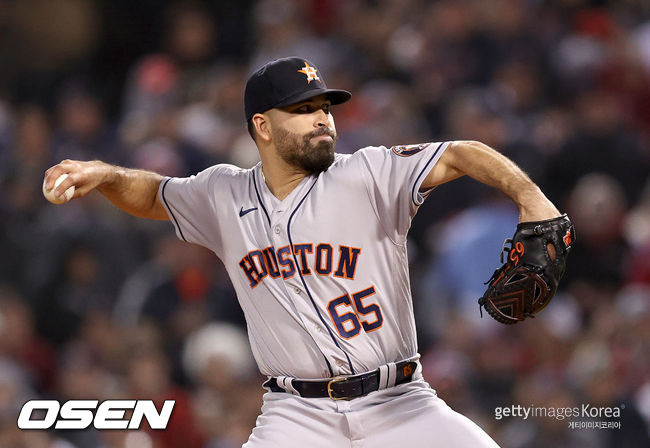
286	81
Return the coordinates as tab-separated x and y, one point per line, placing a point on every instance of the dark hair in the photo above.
251	129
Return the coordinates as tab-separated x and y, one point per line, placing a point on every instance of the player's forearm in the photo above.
490	167
133	191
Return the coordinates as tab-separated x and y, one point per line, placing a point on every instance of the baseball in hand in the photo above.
65	197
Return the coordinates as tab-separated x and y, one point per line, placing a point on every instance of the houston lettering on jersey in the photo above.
320	259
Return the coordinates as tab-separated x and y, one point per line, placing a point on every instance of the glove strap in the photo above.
505	248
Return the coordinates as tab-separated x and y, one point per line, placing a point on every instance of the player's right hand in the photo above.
85	176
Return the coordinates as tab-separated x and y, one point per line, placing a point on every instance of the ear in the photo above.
262	127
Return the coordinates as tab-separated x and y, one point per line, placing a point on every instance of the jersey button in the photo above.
277	229
340	363
296	290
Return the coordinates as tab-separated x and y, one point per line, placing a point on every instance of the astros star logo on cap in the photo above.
311	72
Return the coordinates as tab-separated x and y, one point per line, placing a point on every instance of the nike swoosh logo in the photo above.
242	212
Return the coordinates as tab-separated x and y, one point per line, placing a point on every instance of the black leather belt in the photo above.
345	387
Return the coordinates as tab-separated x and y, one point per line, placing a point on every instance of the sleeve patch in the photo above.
408	150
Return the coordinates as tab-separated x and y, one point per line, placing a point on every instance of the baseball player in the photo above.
315	245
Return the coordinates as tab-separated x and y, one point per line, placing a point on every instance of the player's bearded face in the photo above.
300	151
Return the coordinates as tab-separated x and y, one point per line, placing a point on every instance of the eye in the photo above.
311	108
304	109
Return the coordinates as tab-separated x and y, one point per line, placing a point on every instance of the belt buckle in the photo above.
336	379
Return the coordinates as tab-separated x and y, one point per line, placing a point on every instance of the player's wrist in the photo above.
533	205
537	209
107	176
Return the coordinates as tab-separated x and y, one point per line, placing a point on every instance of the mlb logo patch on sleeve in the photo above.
408	150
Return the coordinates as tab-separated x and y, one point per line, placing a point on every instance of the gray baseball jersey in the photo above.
322	276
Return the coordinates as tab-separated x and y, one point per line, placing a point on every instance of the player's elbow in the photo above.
469	145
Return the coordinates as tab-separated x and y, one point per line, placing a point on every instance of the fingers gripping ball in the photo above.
50	196
528	279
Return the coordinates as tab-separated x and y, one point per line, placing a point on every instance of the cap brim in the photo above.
335	96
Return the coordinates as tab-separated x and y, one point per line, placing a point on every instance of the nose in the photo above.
322	119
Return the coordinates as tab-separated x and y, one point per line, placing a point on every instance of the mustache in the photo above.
321	131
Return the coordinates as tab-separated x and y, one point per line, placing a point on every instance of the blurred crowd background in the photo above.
96	304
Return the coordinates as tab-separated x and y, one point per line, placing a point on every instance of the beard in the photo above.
300	152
